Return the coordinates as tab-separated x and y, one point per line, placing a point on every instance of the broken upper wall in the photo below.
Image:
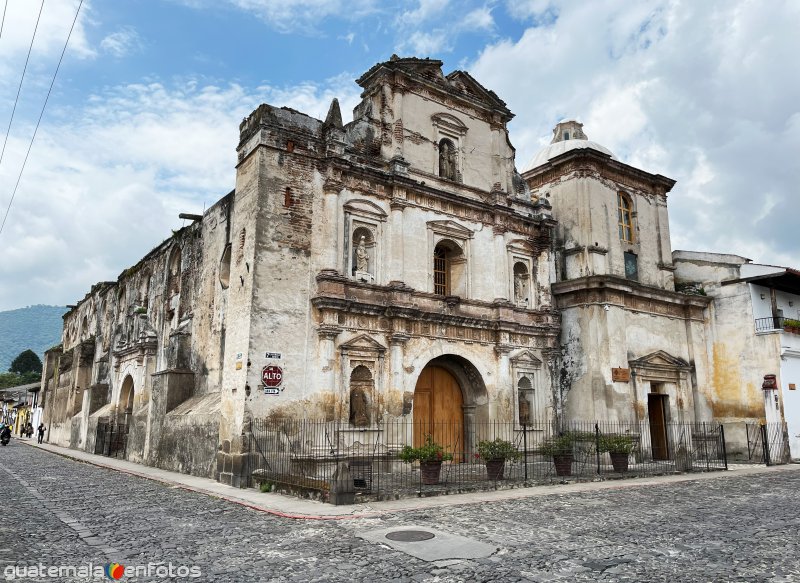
450	129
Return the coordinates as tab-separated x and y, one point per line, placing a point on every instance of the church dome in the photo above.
567	135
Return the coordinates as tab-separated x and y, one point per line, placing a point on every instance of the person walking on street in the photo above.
40	431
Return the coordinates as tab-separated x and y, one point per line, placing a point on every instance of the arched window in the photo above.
449	269
625	217
448	159
361	386
225	267
441	271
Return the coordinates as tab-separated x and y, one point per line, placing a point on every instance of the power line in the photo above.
19	89
3	23
41	114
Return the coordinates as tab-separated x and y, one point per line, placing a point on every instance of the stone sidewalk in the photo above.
290	507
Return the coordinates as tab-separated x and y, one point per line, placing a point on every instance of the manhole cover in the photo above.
410	536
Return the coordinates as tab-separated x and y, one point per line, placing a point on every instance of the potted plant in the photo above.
494	454
430	456
790	325
561	450
619	447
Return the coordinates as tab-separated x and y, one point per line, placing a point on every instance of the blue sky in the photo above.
143	120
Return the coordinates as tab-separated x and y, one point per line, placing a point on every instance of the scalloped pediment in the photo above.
363	342
526	359
466	83
659	358
361	206
449	121
450	228
520	246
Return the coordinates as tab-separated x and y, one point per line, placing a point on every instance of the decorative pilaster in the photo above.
397	261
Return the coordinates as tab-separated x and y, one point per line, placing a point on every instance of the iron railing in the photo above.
111	439
303	455
768	443
777	323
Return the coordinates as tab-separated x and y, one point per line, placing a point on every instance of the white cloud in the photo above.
51	34
426	43
478	19
122	43
425	10
305	15
699	92
106	181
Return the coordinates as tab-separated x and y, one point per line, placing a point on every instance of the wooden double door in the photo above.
439	410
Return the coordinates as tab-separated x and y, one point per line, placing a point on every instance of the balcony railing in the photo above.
777	323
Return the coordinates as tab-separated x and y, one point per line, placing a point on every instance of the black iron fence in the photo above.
304	456
768	443
111	439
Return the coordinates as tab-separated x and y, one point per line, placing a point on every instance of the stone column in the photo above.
504	367
329	253
397	255
469	428
397	343
500	264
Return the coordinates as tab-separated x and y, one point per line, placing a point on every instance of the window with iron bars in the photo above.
441	275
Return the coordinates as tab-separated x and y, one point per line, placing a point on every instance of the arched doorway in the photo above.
439	410
126	395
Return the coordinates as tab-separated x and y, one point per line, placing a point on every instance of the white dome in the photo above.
556	149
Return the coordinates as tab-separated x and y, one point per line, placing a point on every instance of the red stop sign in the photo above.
272	376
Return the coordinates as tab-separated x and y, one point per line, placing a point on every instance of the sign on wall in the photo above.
272	376
620	375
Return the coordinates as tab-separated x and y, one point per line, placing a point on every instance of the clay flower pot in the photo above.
619	461
563	463
429	472
495	468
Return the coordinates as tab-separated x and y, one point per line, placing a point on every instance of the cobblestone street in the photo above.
732	528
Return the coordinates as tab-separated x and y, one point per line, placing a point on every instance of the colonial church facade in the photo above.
394	267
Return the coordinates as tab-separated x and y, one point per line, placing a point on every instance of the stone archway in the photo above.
447	392
126	395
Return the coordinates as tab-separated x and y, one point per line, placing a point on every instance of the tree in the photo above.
26	361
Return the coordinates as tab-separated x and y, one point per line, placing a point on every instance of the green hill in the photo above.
34	327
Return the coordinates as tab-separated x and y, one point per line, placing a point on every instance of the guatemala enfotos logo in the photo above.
113	571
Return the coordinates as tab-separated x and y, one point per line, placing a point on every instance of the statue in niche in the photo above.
359	416
524	410
520	287
447	160
362	258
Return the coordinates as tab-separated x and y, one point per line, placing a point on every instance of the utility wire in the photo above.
2	24
19	89
33	137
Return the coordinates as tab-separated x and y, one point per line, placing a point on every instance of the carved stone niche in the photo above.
362	377
529	403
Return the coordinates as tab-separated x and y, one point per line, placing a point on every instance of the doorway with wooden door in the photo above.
439	410
657	407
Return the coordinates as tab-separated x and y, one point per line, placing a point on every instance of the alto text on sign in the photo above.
272	376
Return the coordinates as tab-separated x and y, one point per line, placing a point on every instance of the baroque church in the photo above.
399	266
